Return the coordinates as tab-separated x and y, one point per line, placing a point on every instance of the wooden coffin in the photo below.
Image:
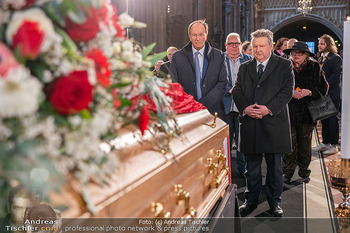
148	183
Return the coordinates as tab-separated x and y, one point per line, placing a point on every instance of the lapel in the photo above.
269	67
205	66
252	71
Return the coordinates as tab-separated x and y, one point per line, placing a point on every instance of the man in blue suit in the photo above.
201	69
234	58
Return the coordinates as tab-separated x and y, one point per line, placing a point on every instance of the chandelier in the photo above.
304	6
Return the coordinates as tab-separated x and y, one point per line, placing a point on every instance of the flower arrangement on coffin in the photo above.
69	81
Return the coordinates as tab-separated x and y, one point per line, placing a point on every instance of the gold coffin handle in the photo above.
182	195
158	210
166	149
213	168
214	122
224	170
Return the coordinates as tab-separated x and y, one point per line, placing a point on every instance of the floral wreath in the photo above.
69	81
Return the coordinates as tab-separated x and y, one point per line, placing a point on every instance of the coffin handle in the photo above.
166	149
213	168
182	195
158	210
214	122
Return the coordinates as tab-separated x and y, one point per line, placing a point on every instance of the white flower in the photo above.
125	20
127	56
115	64
137	59
116	47
47	76
33	15
19	94
75	120
127	46
101	122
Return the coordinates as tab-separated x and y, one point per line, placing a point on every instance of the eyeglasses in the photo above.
201	35
232	45
299	53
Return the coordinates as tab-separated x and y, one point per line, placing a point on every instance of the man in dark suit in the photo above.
234	58
331	64
201	69
263	89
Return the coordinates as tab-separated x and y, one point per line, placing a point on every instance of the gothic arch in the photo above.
311	17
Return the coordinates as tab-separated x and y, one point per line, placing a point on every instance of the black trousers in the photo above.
330	128
274	178
301	152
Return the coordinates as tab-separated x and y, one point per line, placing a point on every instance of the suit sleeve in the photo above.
214	96
173	68
336	67
282	98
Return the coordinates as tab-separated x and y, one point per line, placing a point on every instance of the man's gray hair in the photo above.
233	34
263	33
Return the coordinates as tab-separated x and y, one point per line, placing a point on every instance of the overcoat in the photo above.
274	89
214	77
332	68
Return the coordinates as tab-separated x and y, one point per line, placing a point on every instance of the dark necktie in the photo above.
198	76
261	70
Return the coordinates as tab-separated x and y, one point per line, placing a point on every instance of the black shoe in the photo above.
306	179
276	211
247	208
286	180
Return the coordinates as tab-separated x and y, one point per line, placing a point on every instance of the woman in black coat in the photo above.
309	83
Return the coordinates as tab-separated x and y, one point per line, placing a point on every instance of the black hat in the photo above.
299	45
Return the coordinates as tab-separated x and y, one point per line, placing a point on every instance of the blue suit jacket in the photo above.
214	76
228	101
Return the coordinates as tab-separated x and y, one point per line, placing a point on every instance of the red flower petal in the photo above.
28	38
101	66
144	120
72	93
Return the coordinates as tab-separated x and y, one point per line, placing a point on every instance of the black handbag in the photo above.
322	108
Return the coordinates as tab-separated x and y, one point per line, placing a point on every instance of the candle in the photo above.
345	114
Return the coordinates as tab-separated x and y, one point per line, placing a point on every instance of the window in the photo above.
311	45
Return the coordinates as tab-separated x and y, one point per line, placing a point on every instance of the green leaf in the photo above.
124	102
2	32
55	12
147	50
85	114
37	67
156	57
70	5
67	41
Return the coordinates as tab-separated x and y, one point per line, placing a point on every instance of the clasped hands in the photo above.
301	93
256	111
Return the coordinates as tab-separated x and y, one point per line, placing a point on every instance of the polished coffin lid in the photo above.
146	175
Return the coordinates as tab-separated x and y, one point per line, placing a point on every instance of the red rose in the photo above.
86	31
101	66
72	93
28	39
144	120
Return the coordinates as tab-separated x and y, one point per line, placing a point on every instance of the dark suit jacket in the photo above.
332	68
228	97
214	79
271	134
